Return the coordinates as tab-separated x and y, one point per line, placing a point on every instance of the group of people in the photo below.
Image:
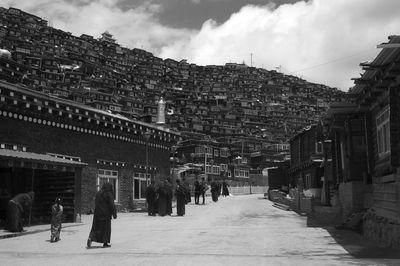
19	209
158	197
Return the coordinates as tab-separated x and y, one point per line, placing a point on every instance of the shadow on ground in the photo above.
355	244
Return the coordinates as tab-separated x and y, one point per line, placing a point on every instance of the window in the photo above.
139	185
215	170
318	147
383	132
216	152
241	173
224	167
308	181
108	176
208	169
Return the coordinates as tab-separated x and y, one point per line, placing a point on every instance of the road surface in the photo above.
237	230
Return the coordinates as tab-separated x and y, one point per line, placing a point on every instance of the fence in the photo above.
246	190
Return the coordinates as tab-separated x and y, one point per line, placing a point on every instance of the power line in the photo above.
332	61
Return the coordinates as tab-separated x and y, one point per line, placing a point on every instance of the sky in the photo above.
322	41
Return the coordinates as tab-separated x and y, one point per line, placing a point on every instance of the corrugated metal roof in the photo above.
385	57
37	157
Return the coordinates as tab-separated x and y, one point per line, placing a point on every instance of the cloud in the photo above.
322	41
136	26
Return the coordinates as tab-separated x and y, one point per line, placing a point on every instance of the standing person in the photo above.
169	190
151	197
103	210
225	190
186	186
197	191
56	220
214	190
180	194
17	208
162	198
204	188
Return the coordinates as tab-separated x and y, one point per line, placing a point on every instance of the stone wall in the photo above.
354	196
384	231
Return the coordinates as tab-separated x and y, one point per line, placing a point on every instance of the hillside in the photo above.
216	100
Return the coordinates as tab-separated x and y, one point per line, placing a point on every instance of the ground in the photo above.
236	230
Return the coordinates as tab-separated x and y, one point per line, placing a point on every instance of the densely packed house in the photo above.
349	163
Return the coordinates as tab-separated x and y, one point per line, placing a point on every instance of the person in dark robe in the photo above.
103	211
169	189
225	190
56	220
219	188
214	190
151	197
180	194
162	198
204	188
186	186
18	208
197	191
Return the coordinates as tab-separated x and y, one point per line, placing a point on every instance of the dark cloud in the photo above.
193	13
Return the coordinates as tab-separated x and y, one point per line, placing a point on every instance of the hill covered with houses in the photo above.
215	101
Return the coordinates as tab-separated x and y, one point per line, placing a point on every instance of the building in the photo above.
70	150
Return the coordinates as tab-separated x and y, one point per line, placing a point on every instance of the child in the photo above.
56	217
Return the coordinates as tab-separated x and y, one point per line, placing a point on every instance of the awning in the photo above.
13	158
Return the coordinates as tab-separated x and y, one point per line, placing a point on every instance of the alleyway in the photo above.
237	230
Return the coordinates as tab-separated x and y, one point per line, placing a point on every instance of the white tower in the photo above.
161	111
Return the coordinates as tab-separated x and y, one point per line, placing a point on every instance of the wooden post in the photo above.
30	208
77	195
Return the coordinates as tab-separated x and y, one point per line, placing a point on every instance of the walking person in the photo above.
214	190
197	191
103	211
18	208
170	192
151	197
204	188
56	220
180	194
225	190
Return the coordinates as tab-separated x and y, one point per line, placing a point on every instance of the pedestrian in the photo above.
162	198
225	190
169	190
151	198
103	211
214	190
197	191
180	194
204	188
56	220
186	186
18	208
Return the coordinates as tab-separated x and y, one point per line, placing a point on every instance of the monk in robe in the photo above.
170	193
18	208
151	197
180	194
214	191
162	198
225	190
103	211
186	186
